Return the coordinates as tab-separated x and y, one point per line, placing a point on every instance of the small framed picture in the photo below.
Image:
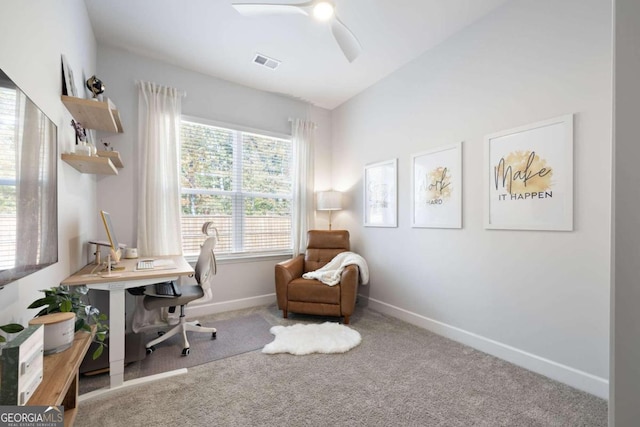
529	177
381	194
68	86
437	187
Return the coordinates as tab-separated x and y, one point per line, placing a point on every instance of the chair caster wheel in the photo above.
213	335
186	351
150	349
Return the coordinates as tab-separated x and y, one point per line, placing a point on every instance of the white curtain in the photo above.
303	141
159	110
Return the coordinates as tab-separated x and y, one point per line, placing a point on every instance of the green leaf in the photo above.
98	352
2	339
42	302
66	306
12	328
100	336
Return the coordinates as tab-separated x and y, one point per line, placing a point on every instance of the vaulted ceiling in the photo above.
213	38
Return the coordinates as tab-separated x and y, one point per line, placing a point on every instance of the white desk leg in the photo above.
116	336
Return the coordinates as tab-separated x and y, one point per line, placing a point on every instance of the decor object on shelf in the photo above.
95	85
437	188
69	299
59	330
10	328
321	10
329	201
21	367
301	339
381	194
68	85
81	133
107	145
82	149
529	177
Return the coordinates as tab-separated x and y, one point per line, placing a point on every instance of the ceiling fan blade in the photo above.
347	41
270	8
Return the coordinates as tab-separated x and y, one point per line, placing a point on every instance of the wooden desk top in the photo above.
86	277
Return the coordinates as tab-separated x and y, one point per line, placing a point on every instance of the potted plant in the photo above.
10	328
63	299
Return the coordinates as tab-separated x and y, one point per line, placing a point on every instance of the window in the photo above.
8	196
242	181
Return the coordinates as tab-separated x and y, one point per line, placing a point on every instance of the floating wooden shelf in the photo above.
91	164
94	114
114	156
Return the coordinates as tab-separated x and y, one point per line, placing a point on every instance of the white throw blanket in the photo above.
330	273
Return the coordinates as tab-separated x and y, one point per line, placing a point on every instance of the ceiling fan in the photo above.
320	9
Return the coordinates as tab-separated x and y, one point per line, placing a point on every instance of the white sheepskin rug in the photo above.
328	337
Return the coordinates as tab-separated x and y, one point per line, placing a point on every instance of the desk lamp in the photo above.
329	201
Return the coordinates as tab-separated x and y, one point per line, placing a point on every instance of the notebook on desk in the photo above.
155	264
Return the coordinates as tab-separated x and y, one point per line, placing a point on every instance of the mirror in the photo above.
28	185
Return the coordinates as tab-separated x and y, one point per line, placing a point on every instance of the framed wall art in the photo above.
529	177
381	194
437	188
68	85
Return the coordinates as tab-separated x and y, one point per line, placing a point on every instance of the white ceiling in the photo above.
211	37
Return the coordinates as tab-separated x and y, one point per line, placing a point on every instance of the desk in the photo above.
116	286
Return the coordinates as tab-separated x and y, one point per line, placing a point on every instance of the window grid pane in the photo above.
267	224
242	183
8	208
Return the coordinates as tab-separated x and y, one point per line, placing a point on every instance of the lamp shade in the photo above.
329	201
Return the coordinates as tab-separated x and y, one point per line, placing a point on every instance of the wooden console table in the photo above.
60	378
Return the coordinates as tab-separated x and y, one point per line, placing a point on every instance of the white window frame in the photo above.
235	193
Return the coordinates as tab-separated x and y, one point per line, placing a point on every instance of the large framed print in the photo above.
529	177
381	194
437	188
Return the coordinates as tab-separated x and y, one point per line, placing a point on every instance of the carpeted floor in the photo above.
400	375
235	336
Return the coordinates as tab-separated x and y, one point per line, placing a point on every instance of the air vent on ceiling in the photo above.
271	63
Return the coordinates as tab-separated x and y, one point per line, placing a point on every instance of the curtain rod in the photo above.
182	93
315	125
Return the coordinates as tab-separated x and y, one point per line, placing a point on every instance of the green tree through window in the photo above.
239	180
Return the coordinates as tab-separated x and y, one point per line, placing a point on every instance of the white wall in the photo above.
539	299
34	35
237	283
625	317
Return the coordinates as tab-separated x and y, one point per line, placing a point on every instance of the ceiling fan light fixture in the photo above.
323	11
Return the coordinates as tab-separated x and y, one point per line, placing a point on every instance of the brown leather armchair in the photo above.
309	296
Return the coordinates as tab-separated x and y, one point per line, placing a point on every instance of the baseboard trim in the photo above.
224	306
565	374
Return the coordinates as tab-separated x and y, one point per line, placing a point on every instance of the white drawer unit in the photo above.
22	366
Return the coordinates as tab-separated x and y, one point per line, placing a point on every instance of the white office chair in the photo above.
205	268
